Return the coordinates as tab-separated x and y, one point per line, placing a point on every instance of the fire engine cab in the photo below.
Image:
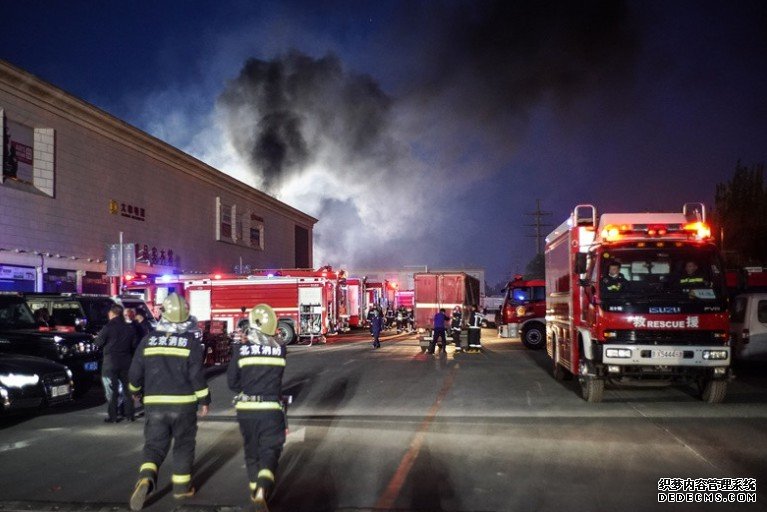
637	298
523	312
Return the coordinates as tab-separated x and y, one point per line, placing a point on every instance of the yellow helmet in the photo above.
175	309
262	317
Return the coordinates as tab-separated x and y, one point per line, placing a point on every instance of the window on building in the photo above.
256	228
27	156
224	220
238	231
302	247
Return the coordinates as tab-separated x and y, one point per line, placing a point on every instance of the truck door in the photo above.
199	304
310	309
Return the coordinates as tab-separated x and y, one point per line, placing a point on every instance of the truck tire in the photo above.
592	388
714	391
285	333
534	336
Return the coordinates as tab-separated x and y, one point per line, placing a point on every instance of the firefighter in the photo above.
372	310
255	374
455	327
475	328
692	278
168	371
410	320
389	317
614	282
376	326
401	317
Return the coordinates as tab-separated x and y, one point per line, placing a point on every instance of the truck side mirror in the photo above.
580	263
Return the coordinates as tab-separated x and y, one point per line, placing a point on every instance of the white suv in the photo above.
748	326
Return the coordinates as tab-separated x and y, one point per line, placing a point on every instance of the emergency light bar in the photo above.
695	230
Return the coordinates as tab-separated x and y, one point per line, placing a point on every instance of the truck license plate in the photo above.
667	354
59	390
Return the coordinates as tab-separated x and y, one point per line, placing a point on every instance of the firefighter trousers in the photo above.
263	434
160	428
474	333
456	333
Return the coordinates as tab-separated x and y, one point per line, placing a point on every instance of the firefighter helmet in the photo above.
175	309
262	318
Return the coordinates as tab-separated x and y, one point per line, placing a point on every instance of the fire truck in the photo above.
437	290
305	300
662	320
153	290
523	312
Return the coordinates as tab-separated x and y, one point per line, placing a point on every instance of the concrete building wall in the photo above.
103	168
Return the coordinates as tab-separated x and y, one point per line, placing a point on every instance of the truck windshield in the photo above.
524	294
679	274
15	314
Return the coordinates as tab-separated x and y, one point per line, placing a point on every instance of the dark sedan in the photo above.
32	383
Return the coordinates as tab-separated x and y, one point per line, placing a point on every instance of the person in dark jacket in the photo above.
440	331
376	326
118	341
255	374
168	371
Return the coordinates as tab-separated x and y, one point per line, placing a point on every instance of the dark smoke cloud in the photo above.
282	112
465	76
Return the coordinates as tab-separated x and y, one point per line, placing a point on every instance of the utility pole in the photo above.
538	225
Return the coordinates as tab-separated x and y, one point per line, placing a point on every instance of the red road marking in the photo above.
391	493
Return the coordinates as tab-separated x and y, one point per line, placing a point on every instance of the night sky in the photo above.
420	133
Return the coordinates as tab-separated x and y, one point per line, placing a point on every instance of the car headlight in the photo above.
624	353
715	354
69	373
58	339
14	380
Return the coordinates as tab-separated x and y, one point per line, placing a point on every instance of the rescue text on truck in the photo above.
637	299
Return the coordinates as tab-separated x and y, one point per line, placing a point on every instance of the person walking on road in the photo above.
440	331
168	371
255	374
118	341
455	327
475	328
376	326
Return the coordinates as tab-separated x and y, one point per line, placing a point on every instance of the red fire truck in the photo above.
305	300
524	312
664	321
437	290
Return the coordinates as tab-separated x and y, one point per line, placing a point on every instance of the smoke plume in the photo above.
379	168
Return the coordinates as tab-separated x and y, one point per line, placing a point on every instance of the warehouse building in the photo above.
74	177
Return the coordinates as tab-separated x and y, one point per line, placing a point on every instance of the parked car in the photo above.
21	334
748	326
28	383
84	312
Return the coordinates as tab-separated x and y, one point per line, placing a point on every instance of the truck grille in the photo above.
648	337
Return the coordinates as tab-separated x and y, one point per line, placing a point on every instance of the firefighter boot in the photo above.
140	492
258	497
182	486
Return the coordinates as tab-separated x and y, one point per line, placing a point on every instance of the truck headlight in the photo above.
624	353
715	354
13	380
521	311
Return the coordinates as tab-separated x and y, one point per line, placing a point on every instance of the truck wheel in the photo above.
592	389
285	333
534	337
714	391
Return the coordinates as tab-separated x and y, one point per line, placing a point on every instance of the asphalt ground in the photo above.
395	429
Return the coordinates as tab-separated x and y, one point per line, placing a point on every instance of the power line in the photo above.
538	224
